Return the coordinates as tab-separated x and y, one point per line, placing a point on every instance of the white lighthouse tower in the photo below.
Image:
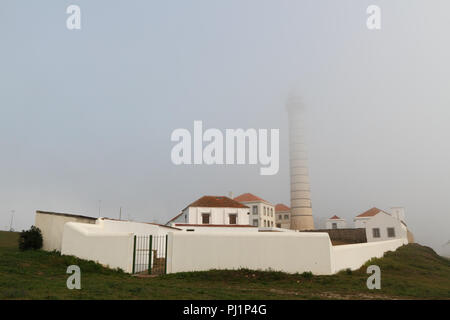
301	209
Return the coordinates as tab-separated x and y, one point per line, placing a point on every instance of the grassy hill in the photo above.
412	272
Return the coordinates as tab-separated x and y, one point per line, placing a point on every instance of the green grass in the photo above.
412	272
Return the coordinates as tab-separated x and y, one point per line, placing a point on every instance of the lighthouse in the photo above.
301	209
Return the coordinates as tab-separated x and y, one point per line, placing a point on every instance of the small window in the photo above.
280	217
391	232
233	219
255	222
286	217
255	209
265	223
205	218
278	225
334	225
264	210
376	232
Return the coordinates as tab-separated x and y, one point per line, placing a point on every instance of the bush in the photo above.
307	275
30	239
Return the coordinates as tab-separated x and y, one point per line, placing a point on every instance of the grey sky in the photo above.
87	115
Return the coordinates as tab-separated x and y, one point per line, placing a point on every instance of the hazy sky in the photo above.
87	115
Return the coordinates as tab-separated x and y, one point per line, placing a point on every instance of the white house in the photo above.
212	211
282	216
262	212
336	222
381	225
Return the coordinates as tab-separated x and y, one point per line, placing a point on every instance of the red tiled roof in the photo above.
248	197
215	225
212	202
281	208
216	202
370	213
335	217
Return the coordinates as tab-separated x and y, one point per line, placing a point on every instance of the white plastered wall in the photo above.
282	251
52	227
353	256
90	242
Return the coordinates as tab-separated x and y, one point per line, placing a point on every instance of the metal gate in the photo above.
150	254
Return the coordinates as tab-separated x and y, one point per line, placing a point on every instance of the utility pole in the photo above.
12	220
120	214
99	207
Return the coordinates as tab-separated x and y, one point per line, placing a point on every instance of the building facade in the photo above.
214	211
381	225
262	212
283	216
336	222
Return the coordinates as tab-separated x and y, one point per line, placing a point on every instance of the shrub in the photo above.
307	275
30	239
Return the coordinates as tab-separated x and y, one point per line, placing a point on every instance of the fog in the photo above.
86	115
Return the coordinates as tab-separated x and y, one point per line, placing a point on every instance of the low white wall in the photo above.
281	251
353	256
138	228
52	227
90	242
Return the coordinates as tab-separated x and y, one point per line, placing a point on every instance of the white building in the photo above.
336	222
381	225
262	212
282	216
214	211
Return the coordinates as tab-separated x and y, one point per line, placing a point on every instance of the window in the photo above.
334	225
286	217
264	210
265	223
205	218
255	209
280	217
278	225
233	218
376	232
255	222
391	232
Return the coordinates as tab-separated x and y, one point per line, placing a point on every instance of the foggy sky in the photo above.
87	115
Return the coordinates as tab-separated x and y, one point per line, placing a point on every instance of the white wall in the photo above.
354	256
52	227
90	242
341	224
283	251
138	228
193	215
269	217
383	221
361	222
